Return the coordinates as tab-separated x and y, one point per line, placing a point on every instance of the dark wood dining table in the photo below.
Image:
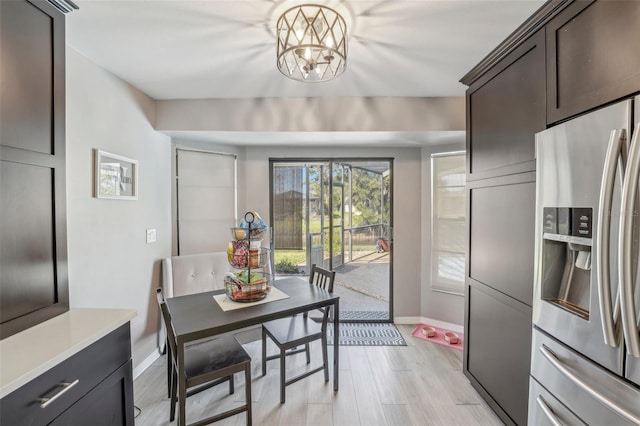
197	316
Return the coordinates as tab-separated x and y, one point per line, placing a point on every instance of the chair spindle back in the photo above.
322	278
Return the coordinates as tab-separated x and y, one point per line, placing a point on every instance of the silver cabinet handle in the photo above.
553	359
625	241
65	388
548	412
610	325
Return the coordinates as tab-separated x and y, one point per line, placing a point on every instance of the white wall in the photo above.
434	304
110	264
406	208
413	296
324	114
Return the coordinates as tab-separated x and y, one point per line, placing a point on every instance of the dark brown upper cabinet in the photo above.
33	247
593	56
505	108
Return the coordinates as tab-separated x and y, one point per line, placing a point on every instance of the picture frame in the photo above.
116	177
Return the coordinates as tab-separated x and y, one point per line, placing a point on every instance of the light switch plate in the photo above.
151	235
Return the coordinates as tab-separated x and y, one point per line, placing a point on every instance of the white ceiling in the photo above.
184	49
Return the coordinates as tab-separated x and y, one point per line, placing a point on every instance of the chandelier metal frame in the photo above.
311	43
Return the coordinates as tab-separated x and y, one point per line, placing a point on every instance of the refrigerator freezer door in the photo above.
586	389
569	171
546	410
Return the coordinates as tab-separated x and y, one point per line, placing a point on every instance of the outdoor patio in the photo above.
363	287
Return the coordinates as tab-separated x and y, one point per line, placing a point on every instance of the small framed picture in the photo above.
116	177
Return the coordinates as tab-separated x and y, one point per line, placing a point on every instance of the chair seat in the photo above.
293	330
213	355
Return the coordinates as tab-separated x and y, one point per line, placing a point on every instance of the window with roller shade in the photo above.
448	215
206	198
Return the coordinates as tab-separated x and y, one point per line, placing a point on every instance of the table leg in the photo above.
167	350
182	386
336	346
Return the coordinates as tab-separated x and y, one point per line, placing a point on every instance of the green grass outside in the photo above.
300	256
297	257
288	261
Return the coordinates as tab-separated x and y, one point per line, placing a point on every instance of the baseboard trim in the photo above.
407	320
434	322
140	368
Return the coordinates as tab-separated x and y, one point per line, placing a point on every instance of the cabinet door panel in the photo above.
505	110
502	238
26	87
592	56
499	349
27	265
33	252
108	404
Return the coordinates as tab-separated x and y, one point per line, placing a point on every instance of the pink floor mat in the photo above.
439	337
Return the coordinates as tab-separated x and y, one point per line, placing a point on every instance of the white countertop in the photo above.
26	355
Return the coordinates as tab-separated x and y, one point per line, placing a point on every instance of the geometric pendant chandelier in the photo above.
312	43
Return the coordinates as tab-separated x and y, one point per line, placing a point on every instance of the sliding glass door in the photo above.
337	214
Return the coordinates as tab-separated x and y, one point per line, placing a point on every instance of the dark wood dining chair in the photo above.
291	332
207	364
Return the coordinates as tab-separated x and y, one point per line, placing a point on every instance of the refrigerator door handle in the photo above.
555	421
615	158
625	244
573	377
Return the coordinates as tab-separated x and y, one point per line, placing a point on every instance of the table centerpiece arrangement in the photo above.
251	278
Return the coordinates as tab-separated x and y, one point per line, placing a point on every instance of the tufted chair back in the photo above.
193	273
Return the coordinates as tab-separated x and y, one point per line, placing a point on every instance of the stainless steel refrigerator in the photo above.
585	366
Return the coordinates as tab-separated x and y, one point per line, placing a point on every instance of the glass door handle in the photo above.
625	246
615	158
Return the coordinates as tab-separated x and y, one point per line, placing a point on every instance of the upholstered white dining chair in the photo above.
190	274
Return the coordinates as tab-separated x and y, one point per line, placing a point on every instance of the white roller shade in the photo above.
448	209
206	201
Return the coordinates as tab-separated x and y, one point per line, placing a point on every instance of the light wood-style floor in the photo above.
418	384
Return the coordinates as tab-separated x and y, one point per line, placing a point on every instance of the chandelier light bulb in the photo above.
329	42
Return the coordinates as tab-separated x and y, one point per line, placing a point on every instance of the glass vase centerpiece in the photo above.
251	277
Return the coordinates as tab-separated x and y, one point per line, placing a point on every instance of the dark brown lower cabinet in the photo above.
501	213
110	403
102	393
499	351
